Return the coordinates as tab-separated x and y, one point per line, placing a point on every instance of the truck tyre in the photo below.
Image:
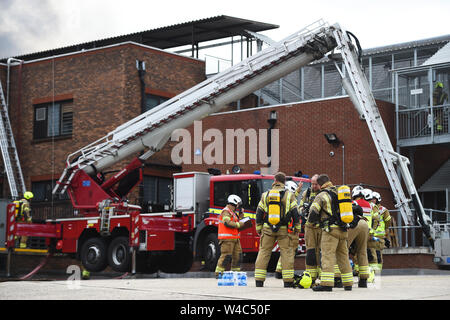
93	254
147	262
211	251
119	255
178	261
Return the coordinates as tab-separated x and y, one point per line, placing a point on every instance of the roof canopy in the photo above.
188	33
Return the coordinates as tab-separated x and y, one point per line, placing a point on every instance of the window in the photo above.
152	101
156	193
249	191
42	191
53	120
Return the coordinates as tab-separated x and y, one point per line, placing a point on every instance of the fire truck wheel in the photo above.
211	251
119	256
93	254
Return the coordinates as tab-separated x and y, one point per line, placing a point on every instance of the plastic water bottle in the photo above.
228	278
220	280
241	278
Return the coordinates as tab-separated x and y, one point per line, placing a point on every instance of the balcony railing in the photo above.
424	125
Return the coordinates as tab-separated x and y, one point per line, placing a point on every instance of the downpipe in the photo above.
9	62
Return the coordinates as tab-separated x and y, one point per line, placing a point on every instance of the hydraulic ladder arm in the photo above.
357	87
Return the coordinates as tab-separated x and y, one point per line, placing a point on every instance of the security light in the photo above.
332	138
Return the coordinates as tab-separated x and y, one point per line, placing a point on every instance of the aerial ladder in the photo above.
9	151
151	130
357	87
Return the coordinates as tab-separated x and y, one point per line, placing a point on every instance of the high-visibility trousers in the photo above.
359	235
335	251
313	235
294	248
230	249
267	242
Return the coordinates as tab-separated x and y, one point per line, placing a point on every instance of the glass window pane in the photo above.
149	190
53	120
151	101
164	190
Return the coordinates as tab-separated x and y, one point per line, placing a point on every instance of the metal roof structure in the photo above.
441	56
187	33
407	45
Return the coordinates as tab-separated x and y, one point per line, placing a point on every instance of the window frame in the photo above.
42	129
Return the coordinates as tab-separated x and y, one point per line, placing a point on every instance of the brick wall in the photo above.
303	145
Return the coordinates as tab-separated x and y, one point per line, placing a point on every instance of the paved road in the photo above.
390	287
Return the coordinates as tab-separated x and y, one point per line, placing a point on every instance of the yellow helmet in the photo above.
306	280
439	85
28	195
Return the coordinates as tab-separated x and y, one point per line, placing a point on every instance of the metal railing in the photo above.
423	122
412	236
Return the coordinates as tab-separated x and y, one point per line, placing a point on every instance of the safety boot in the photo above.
348	288
337	282
322	288
362	283
289	284
278	275
259	283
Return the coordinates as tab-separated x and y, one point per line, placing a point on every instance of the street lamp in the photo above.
334	140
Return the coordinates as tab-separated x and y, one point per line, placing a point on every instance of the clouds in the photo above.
28	26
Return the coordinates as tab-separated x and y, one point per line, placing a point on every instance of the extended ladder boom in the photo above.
9	151
357	87
152	129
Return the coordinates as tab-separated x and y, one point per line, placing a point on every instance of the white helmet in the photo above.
367	194
234	199
357	192
377	196
291	186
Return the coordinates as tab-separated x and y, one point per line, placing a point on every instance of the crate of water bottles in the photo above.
231	278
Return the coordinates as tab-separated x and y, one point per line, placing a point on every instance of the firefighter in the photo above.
439	98
358	198
290	186
275	210
357	239
381	231
333	243
228	235
373	242
23	214
313	232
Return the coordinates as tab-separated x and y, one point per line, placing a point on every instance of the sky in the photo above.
28	26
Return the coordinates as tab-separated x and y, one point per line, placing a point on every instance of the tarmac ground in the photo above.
405	284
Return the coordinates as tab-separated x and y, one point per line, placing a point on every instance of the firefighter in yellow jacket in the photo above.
275	210
228	235
333	244
381	231
295	189
313	232
23	214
